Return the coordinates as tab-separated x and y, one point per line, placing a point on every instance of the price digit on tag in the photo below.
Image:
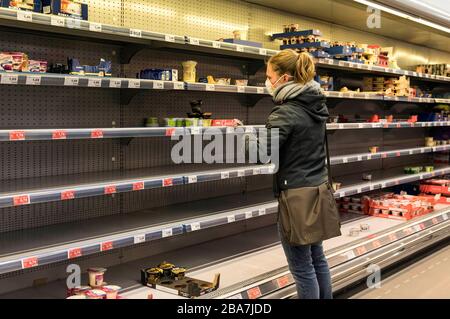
248	215
134	84
106	246
95	27
97	134
192	179
231	218
10	79
167	232
67	195
74	253
216	44
17	136
260	90
239	48
194	41
158	85
167	182
283	281
138	239
170	38
195	226
115	83
254	293
138	186
24	16
224	175
241	89
29	262
21	200
195	130
33	80
71	81
110	190
59	135
210	87
178	86
135	33
95	83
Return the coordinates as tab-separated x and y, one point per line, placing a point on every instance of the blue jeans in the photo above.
309	267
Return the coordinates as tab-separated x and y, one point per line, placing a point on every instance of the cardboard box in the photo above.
68	8
28	5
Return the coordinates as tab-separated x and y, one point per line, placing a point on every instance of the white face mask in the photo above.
271	87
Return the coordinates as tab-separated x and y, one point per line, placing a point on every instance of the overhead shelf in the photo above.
61	188
61	242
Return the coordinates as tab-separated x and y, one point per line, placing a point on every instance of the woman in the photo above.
308	213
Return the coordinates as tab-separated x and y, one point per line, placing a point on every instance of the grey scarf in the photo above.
291	89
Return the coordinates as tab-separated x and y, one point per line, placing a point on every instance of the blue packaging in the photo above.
35	5
67	8
103	69
159	74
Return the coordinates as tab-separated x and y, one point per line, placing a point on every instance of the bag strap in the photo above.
330	178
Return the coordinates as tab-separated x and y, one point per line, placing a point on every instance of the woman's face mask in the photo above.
272	86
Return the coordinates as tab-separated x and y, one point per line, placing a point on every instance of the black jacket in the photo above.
302	123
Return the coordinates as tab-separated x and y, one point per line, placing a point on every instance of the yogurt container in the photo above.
95	294
96	276
111	291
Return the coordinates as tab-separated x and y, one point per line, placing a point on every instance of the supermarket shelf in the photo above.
60	188
36	22
379	125
353	95
46	245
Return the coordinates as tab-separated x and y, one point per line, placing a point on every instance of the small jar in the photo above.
111	291
189	71
96	276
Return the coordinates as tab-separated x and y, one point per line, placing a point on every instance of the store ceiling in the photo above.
351	14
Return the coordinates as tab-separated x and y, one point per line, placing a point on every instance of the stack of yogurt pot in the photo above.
97	289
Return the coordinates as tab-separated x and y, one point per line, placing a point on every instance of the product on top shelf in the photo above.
29	5
70	8
159	74
435	69
103	69
326	82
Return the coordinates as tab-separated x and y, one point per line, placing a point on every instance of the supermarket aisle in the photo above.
428	278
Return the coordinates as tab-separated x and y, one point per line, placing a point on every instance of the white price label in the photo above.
167	232
241	89
359	158
349	254
134	84
192	179
414	73
340	94
345	160
210	87
195	130
115	83
139	238
178	85
95	27
194	41
271	169
351	95
241	173
263	51
135	33
256	171
96	83
445	216
341	63
239	48
71	81
369	67
248	215
216	44
34	80
261	211
195	226
24	16
369	157
73	23
158	85
341	126
260	90
230	130
359	65
224	175
57	21
9	78
170	38
231	219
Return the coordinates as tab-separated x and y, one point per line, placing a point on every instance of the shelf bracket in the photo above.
129	51
251	68
127	95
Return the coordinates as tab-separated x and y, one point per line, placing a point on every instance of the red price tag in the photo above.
407	231
283	281
97	134
29	262
170	131
21	200
138	186
435	221
376	244
107	246
168	182
254	293
383	155
361	250
17	136
392	237
74	253
66	195
422	226
397	154
59	135
110	189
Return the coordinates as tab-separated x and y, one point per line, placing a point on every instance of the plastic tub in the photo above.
96	276
111	291
95	294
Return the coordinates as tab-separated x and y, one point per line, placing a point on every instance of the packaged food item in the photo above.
189	71
367	177
70	8
6	62
223	81
169	122
28	5
80	290
241	82
103	69
178	273
111	291
96	276
152	122
13	62
364	227
95	294
354	232
373	149
429	142
77	297
37	66
159	74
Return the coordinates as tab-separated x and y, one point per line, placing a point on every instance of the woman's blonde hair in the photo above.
299	65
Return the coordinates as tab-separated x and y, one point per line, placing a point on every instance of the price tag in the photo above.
108	245
73	23
168	182
135	33
158	85
248	215
260	90
134	84
97	134
256	171
178	85
71	81
10	79
110	189
262	51
96	83
369	67
231	218
341	63
345	160
195	130
67	195
192	179
351	95
24	16
74	253
167	232
359	65
114	83
359	158
170	38
57	21
361	250
224	175
138	239
95	27
210	87
138	186
271	169
283	281
261	211
216	44
340	94
254	293
17	136
59	135
33	80
241	89
241	173
239	48
29	262
170	131
194	41
392	237
376	244
21	200
195	226
445	216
